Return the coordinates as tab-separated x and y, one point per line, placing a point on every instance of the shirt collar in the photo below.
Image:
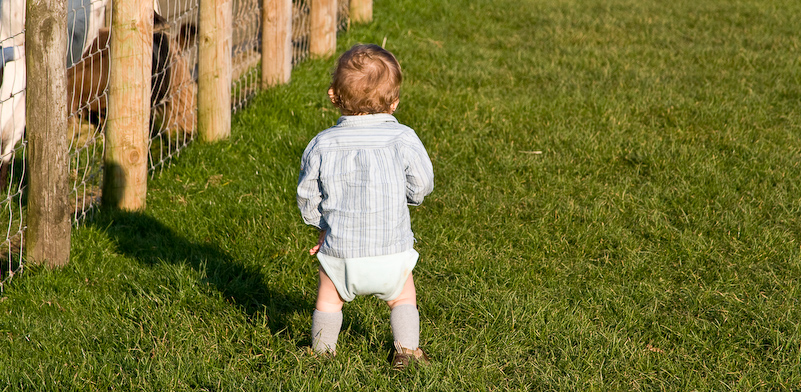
367	119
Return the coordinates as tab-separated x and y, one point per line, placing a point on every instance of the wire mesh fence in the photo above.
87	74
173	121
174	99
14	147
301	30
343	15
246	52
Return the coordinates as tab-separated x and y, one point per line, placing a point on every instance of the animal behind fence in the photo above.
173	88
12	90
173	92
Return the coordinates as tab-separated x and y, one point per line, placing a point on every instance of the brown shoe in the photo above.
404	357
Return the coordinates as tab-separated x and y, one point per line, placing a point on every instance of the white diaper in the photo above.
382	276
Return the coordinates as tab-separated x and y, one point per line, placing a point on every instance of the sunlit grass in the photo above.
616	208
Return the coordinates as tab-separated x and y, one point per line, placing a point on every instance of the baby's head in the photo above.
367	80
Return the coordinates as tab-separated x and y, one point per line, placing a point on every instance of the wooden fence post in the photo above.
127	122
276	38
49	226
214	69
361	11
323	40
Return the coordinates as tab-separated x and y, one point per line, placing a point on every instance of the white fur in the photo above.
96	20
12	91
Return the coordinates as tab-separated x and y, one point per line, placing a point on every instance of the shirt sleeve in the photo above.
309	194
419	173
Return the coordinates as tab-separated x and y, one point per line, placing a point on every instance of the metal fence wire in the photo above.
87	71
12	142
246	52
173	122
301	30
343	15
174	98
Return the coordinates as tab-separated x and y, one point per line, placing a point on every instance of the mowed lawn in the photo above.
617	207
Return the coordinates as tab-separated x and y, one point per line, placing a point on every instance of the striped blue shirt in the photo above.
356	180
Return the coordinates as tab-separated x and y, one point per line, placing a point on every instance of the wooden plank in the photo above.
276	36
128	118
214	69
49	225
361	11
323	19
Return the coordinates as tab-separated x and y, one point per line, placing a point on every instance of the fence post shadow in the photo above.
150	242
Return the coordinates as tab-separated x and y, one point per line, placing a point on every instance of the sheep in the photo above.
174	90
171	79
12	89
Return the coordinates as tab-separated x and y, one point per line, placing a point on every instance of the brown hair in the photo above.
366	80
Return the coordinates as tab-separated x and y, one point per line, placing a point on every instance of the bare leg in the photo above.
407	297
327	317
328	299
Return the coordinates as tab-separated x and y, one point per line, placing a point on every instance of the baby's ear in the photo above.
394	106
332	96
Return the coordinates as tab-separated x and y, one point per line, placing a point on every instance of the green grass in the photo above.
616	208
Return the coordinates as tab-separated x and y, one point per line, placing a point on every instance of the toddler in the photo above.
356	180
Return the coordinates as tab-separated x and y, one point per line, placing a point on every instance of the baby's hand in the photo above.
313	251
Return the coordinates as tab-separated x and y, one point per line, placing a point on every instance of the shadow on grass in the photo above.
150	242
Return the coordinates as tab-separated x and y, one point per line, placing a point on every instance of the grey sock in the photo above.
325	331
405	322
